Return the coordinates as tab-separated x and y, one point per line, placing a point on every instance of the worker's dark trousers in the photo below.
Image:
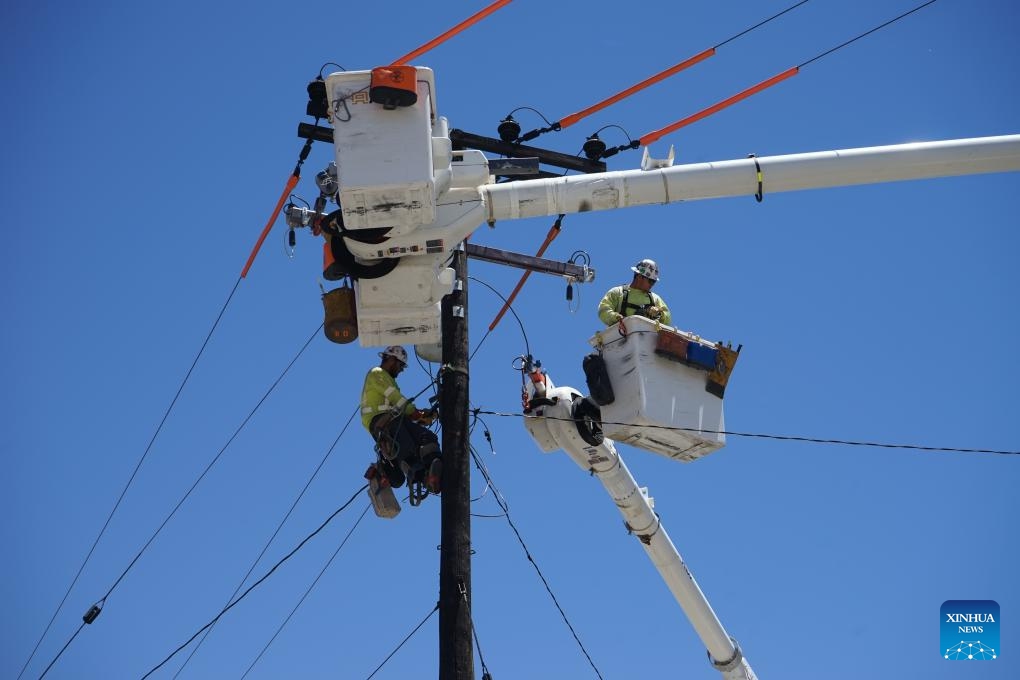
416	445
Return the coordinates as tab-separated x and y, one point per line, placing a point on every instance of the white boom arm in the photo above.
553	427
869	165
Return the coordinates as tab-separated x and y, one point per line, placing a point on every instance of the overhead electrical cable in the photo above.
404	641
781	437
567	121
438	40
131	479
257	583
307	591
269	542
527	553
527	347
647	139
96	608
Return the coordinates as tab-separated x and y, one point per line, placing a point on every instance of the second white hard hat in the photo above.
647	269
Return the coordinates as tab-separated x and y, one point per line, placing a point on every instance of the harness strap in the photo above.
625	303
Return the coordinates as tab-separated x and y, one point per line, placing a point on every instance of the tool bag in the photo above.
597	377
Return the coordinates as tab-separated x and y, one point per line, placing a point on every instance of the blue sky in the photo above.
145	145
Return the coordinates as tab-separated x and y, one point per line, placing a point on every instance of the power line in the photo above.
527	347
404	641
257	583
759	24
131	479
309	590
96	608
866	33
279	526
527	553
813	440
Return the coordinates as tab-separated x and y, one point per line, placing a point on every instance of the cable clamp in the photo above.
757	167
447	368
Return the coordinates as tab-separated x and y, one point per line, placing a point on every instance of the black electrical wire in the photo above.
306	593
257	583
173	512
131	479
474	633
279	526
781	437
404	641
527	347
759	24
506	513
867	33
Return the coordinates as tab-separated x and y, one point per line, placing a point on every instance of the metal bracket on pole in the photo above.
577	272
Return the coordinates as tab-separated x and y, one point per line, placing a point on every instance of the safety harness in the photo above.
641	310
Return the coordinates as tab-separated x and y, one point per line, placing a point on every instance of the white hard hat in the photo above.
395	351
647	269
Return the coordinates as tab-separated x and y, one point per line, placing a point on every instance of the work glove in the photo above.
423	417
654	312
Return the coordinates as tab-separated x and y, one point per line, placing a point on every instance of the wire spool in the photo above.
341	322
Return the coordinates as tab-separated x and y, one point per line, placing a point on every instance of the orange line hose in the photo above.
662	75
704	113
554	231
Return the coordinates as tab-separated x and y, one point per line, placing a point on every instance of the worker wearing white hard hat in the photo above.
406	448
637	298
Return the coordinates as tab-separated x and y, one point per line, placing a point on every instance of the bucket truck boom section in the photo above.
562	420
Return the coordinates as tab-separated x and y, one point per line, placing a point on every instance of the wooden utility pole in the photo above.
456	652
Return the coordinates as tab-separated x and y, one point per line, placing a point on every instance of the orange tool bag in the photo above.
394	86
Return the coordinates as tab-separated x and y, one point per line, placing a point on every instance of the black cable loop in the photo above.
527	346
307	592
404	641
330	63
279	527
257	583
630	140
533	110
131	479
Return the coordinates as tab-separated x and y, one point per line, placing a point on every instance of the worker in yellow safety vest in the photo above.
637	298
407	449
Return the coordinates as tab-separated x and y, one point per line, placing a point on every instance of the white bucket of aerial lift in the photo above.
403	306
661	405
384	157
